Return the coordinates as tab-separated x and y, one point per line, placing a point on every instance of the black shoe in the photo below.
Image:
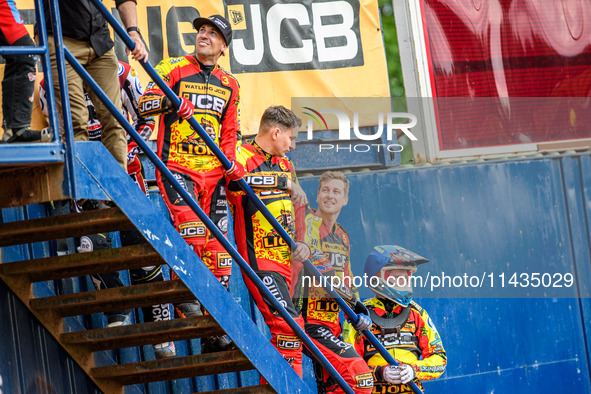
188	309
25	134
216	344
91	205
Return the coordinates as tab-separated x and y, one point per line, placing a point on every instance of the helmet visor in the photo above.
398	278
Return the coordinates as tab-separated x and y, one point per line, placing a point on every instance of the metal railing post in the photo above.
64	93
46	62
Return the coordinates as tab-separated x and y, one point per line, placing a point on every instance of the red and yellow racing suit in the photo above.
330	255
215	94
415	342
262	247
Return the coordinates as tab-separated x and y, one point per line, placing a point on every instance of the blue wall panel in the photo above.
31	361
500	217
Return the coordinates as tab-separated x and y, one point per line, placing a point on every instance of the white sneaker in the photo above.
164	350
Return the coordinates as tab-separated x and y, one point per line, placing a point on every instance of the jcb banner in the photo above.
279	50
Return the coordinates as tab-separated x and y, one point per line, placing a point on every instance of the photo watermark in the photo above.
356	125
458	285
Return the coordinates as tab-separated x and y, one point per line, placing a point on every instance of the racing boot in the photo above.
188	309
25	134
216	344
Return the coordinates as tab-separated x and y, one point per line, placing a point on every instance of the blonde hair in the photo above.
338	175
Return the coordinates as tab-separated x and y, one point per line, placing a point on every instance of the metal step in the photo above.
113	299
63	226
80	264
174	368
144	333
260	389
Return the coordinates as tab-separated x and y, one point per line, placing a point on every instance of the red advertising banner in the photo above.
521	67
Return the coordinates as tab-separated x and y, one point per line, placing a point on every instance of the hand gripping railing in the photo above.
250	193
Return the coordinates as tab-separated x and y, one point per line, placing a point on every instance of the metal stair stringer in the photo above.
95	165
20	274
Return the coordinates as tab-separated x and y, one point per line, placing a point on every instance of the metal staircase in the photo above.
108	181
51	311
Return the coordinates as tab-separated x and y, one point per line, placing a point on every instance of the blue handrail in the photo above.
19	50
63	82
262	208
46	62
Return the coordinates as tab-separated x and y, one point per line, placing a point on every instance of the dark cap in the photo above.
219	22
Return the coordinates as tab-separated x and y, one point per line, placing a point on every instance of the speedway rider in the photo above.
210	95
400	324
272	177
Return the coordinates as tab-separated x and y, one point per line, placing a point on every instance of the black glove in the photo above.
358	308
364	321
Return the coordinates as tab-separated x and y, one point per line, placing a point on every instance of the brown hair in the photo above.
338	175
279	116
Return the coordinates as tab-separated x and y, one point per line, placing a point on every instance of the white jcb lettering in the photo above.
275	17
259	180
324	33
205	101
295	17
150	105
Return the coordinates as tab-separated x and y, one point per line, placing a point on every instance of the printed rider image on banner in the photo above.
330	248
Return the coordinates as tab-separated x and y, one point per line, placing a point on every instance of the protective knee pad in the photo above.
193	231
289	346
216	258
278	286
343	358
218	206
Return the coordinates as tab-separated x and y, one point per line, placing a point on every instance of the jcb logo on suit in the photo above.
288	342
224	260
